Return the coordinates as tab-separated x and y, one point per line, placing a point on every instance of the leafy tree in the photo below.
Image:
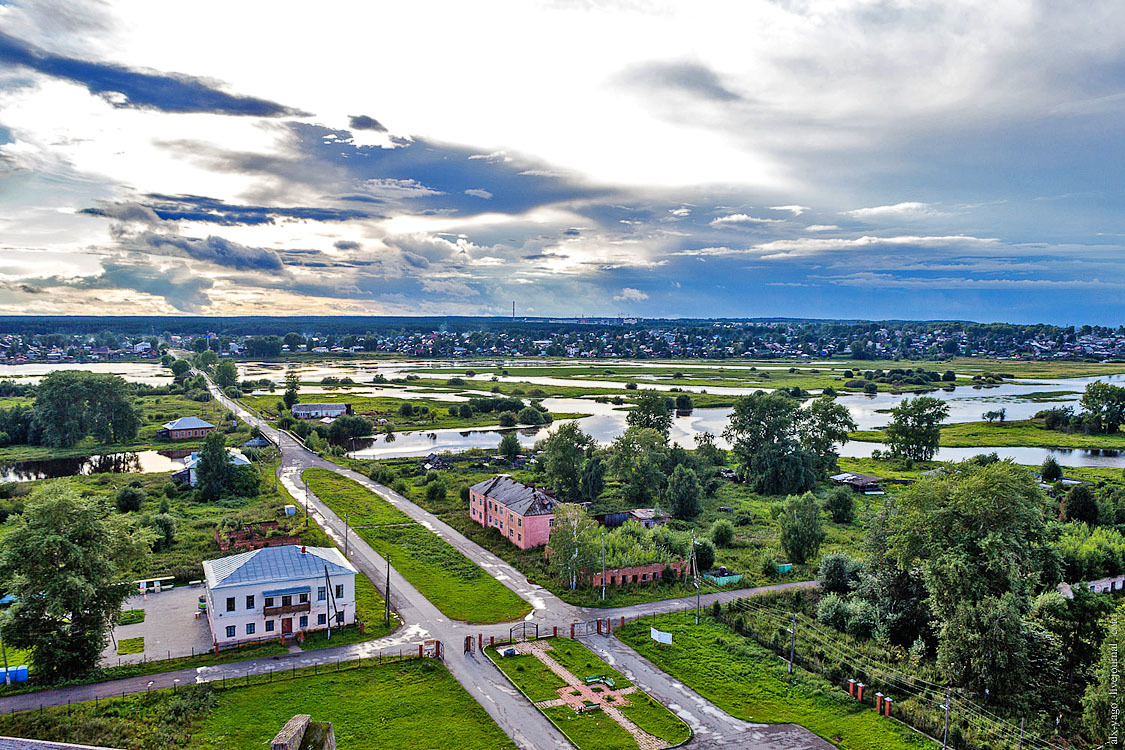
978	535
707	452
213	473
180	367
245	481
684	493
684	402
593	478
822	426
207	359
802	532
68	562
406	409
561	455
292	387
129	499
1050	471
529	415
994	415
1080	505
573	542
226	374
293	340
948	376
510	447
840	504
348	426
704	555
839	573
1106	404
71	404
508	419
915	428
651	412
722	533
1102	700
636	459
777	471
164	526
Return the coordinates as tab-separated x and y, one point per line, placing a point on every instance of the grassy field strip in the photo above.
371	706
1025	433
454	584
590	730
750	683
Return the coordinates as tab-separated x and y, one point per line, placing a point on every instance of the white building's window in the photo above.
230	604
339	591
321	619
269	601
304	621
269	626
321	593
339	618
250	602
249	628
230	631
303	598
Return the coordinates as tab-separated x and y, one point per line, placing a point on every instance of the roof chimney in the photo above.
303	550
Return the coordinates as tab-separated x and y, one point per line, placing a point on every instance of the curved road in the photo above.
516	716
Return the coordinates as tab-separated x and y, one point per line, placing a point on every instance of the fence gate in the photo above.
524	631
590	627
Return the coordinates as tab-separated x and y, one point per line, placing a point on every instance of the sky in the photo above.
834	159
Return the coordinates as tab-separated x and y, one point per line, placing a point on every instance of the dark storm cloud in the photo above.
177	285
214	211
688	77
167	92
345	245
363	122
216	250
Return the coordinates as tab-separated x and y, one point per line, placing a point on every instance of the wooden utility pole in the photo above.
387	596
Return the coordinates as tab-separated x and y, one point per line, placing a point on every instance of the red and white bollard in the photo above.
851	688
859	688
878	703
887	706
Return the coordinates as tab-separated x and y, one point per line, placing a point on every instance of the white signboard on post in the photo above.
660	636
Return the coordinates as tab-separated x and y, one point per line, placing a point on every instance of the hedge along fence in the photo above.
917	702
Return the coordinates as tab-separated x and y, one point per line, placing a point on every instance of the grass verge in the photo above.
127	646
750	683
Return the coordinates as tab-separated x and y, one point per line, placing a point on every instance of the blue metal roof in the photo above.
275	565
288	591
187	423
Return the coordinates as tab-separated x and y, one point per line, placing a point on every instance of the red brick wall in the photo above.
643	573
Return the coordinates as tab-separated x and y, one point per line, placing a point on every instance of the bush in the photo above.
245	482
165	527
171	490
838	573
1050	470
630	386
840	504
529	415
435	491
833	611
129	499
722	533
508	418
704	554
466	411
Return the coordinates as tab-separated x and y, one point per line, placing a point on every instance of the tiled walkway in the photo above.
576	693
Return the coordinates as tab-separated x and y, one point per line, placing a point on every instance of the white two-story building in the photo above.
278	592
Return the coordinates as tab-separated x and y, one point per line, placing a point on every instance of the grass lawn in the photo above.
364	507
537	681
750	683
131	645
592	730
131	616
403	705
453	583
1027	433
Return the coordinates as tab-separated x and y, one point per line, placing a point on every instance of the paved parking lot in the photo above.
170	627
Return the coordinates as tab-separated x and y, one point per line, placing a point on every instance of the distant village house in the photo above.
184	428
320	411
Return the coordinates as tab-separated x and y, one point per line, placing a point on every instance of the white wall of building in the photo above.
251	621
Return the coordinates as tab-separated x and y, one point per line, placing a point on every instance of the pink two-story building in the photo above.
521	513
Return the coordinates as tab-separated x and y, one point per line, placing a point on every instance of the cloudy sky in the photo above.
850	158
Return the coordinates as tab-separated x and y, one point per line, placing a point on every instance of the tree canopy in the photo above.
915	428
71	404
